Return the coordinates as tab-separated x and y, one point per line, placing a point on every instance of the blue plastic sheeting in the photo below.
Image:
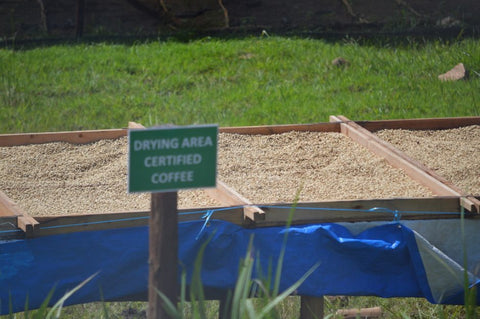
386	260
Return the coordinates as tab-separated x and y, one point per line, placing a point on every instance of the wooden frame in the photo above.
416	170
255	216
450	204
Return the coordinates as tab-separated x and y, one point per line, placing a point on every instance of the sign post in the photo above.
161	161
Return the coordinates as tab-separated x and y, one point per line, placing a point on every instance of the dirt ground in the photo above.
22	19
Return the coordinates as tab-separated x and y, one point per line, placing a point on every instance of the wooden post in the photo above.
311	307
163	241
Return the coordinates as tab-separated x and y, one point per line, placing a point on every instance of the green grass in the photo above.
251	81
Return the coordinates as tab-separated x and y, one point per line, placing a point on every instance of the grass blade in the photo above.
57	308
272	304
169	307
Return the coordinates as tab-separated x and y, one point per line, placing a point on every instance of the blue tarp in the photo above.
382	259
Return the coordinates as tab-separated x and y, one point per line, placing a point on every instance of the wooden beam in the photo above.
24	221
420	124
275	214
88	136
361	210
416	170
226	195
76	137
362	313
50	225
278	129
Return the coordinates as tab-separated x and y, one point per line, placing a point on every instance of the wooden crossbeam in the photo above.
365	210
25	222
76	137
416	170
276	214
52	225
279	129
226	195
420	124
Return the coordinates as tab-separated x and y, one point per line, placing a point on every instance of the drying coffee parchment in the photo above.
61	178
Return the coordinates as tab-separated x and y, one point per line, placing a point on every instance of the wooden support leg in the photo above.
163	259
311	307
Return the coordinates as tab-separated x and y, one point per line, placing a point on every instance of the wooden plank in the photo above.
5	206
24	221
417	171
76	137
88	136
362	313
420	124
226	195
361	210
276	214
278	129
50	225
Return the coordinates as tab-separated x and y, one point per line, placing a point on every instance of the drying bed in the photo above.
451	153
61	178
316	165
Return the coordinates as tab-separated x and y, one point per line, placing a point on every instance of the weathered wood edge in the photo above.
226	195
336	125
76	137
420	124
50	225
276	214
9	208
364	210
416	170
332	126
278	129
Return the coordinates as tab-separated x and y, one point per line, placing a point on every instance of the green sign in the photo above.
171	158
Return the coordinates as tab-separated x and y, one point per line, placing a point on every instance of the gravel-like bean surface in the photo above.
62	178
320	166
453	154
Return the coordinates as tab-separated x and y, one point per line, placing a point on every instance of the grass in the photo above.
251	81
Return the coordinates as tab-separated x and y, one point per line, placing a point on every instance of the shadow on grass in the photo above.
366	35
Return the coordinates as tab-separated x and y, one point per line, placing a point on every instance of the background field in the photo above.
249	81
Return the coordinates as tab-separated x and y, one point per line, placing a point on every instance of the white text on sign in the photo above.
172	143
